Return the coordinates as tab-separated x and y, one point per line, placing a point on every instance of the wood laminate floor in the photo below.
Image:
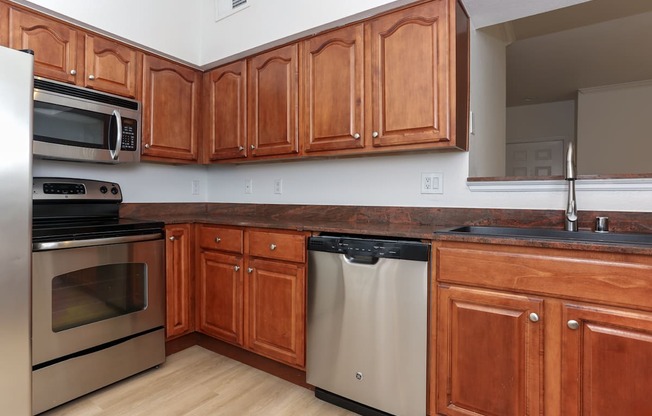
198	382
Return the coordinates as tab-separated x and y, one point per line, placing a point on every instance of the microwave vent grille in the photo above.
41	84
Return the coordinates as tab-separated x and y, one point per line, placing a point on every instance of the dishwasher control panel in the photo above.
370	247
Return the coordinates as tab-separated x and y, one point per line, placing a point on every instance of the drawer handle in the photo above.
250	269
218	239
172	238
236	268
534	317
272	246
573	324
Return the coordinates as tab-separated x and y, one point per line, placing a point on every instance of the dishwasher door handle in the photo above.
360	259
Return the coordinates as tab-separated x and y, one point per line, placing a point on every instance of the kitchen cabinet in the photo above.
179	282
490	361
171	111
220	305
67	54
225	112
253	294
400	85
587	349
4	25
272	102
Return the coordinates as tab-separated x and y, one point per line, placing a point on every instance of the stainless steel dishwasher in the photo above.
367	323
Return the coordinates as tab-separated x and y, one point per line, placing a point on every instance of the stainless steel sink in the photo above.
551	234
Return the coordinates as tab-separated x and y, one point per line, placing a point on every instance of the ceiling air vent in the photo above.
225	8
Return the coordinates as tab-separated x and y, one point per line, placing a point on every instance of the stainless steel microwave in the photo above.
74	123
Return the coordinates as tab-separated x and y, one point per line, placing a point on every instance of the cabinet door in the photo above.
56	46
110	66
489	356
273	88
171	105
4	25
408	52
178	260
225	112
332	99
220	303
275	305
606	362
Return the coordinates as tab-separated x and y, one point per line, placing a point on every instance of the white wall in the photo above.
526	123
613	134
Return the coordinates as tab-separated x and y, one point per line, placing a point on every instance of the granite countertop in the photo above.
403	222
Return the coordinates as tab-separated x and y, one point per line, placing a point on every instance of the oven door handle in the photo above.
58	245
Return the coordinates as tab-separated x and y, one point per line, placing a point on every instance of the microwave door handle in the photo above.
118	143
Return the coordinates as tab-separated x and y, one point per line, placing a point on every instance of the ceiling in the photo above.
600	42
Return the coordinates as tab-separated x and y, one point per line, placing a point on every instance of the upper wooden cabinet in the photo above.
57	47
171	111
225	112
4	25
332	90
111	66
272	96
66	54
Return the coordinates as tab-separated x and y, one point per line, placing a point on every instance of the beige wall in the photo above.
613	134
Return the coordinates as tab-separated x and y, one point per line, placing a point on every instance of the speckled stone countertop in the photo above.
405	222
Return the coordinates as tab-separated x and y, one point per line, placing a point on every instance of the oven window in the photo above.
98	293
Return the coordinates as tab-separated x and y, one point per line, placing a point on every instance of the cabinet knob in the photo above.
573	324
356	136
218	239
236	268
250	269
240	148
374	134
91	77
146	145
252	147
172	238
534	317
73	72
272	246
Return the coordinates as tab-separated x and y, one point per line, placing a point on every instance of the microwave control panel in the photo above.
129	129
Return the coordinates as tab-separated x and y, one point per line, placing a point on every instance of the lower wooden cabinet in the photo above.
253	295
178	281
531	331
489	361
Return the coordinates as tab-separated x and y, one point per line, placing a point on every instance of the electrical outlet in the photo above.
195	187
249	186
432	183
278	186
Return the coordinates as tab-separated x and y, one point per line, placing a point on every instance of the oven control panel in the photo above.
52	189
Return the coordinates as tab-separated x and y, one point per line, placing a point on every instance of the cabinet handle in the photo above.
356	136
240	148
573	324
218	239
252	147
375	134
272	246
146	145
534	317
236	268
91	77
250	269
172	238
73	72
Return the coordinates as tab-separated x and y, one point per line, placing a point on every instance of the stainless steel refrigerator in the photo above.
16	80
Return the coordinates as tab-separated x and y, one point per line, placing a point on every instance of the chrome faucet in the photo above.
570	223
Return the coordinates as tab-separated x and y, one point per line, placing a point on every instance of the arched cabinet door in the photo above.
110	66
273	111
171	106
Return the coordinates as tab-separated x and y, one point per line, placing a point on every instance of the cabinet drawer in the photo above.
220	238
277	245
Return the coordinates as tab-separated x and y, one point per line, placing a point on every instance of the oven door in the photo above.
84	298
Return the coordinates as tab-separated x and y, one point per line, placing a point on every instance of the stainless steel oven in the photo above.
98	291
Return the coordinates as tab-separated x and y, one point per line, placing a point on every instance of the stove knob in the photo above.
114	190
103	189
